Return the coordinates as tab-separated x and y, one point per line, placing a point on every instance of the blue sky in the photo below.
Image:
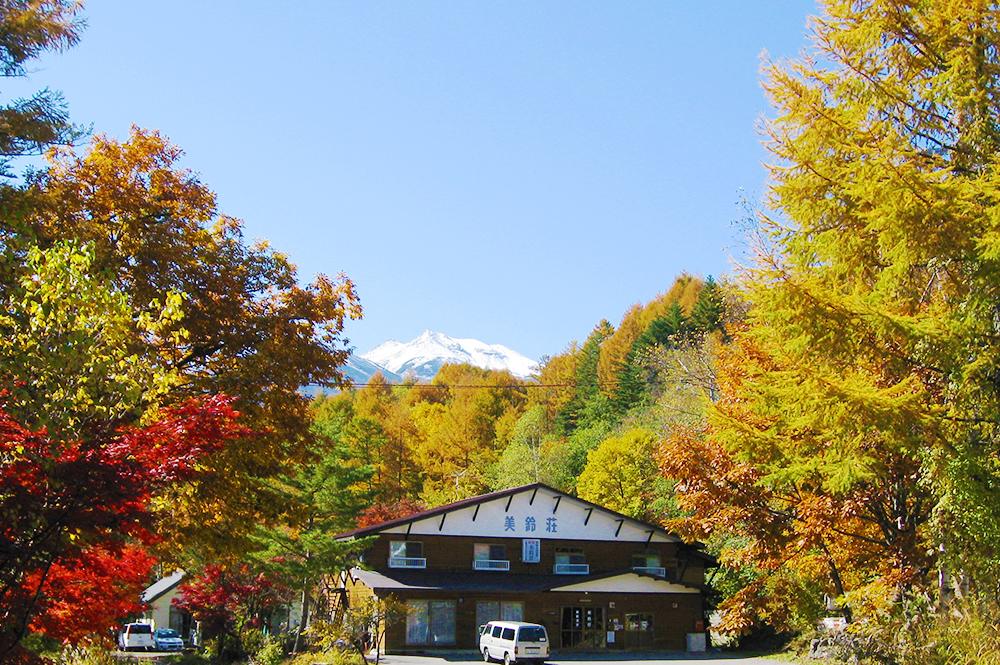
510	171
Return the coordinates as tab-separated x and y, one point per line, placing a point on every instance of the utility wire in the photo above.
467	385
595	384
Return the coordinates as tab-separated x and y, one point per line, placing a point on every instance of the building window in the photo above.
649	563
430	622
512	611
638	631
416	621
490	557
570	561
496	610
637	623
406	554
531	550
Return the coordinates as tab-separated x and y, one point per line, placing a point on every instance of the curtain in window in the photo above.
416	622
486	610
512	611
430	622
442	622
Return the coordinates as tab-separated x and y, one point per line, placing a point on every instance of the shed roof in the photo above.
162	586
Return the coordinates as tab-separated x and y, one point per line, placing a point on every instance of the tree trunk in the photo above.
304	619
838	583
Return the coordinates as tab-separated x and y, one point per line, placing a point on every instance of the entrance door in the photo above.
583	628
638	631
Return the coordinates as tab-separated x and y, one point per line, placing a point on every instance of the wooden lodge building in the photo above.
594	578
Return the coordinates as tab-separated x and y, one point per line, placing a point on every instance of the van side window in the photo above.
508	634
496	631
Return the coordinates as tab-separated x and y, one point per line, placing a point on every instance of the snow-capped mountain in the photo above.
360	370
424	356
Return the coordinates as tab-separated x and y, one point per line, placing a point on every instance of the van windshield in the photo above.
531	634
139	629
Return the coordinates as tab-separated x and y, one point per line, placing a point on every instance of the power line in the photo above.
468	385
596	384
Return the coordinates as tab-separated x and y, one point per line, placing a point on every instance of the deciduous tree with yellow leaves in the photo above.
855	443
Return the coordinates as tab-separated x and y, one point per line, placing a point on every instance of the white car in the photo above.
167	639
136	636
513	641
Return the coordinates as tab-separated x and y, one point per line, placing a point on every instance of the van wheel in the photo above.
486	655
506	658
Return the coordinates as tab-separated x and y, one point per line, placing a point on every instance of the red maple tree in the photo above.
65	506
385	511
220	595
90	594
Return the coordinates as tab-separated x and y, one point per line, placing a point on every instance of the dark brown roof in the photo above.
398	580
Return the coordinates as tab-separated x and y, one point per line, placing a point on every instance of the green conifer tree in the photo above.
587	404
709	310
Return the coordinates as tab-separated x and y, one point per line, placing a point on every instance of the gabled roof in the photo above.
463	503
162	586
531	490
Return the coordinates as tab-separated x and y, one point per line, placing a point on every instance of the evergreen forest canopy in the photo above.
825	419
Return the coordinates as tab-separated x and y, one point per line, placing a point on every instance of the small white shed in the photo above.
161	612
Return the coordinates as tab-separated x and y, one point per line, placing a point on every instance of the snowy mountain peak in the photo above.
424	355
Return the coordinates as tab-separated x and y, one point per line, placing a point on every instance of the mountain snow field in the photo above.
425	355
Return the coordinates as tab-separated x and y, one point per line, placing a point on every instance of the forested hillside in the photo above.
471	430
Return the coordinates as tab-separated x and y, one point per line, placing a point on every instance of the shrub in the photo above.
334	657
271	653
963	632
86	655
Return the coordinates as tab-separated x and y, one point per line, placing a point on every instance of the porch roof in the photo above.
432	580
497	582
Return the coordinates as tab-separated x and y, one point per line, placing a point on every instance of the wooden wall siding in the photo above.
693	574
670	624
356	592
455	554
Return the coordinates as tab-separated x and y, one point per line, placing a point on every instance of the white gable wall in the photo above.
158	613
541	518
627	583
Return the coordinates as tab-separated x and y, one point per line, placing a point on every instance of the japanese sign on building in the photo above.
529	524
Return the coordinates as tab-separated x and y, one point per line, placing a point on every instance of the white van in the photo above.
513	641
136	636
